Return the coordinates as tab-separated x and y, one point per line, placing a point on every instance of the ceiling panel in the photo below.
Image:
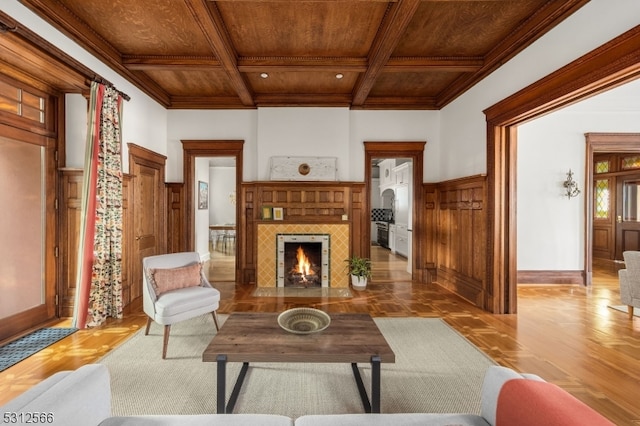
393	54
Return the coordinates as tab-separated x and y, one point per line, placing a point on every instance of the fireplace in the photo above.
302	260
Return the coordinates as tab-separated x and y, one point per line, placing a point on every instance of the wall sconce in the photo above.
571	186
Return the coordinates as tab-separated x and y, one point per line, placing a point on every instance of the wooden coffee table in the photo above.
257	337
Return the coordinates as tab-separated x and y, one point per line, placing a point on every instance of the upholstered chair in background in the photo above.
630	281
175	289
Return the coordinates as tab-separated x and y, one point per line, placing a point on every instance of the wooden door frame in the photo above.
212	148
611	65
601	143
398	149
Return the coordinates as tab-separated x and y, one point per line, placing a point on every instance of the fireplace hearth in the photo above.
303	260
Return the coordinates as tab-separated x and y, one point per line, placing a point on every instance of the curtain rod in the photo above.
106	82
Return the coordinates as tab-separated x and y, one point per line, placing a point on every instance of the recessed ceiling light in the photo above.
339	75
264	75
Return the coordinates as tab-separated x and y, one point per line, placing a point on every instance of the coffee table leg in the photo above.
222	381
372	406
223	407
361	389
375	384
236	389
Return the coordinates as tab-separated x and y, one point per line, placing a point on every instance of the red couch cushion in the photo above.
524	402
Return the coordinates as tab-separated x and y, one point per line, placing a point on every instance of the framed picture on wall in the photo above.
278	213
267	213
203	195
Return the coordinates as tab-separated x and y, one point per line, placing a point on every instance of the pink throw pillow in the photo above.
164	280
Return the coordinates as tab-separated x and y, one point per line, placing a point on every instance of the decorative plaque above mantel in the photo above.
303	168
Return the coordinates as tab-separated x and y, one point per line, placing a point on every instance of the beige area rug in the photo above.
436	370
625	309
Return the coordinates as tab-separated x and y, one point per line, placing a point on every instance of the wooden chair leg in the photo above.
165	343
630	311
215	320
146	331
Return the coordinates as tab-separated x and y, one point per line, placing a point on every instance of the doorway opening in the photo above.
391	214
394	200
221	242
623	229
215	218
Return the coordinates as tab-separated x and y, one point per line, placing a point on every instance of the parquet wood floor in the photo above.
564	333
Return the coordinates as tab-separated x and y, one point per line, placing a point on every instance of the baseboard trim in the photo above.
551	277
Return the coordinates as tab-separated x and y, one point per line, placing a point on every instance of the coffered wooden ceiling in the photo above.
399	54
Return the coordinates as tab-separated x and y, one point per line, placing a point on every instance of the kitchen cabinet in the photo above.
376	194
401	205
392	237
387	176
404	185
402	240
403	173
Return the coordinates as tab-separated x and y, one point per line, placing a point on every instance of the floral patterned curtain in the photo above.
99	275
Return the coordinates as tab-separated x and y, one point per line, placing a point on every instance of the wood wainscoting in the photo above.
551	277
455	239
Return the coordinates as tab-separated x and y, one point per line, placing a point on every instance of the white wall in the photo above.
551	227
395	126
222	183
323	132
213	124
463	124
299	132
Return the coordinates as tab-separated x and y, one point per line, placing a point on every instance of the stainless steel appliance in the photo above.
383	234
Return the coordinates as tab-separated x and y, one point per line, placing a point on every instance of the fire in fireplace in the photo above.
306	266
303	260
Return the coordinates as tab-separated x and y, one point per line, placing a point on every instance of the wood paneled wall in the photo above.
176	236
455	239
302	202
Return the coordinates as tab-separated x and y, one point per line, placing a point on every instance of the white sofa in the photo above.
83	398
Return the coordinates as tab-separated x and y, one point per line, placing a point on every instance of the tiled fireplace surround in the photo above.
266	253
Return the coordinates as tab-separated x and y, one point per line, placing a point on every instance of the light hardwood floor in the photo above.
564	333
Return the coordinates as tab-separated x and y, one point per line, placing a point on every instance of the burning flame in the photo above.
304	265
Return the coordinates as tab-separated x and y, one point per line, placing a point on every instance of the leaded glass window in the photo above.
631	162
602	166
602	199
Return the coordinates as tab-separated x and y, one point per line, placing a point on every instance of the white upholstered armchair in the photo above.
630	281
176	289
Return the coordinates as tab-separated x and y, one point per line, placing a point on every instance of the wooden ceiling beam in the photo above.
402	64
301	64
398	17
396	103
207	102
301	99
172	63
208	17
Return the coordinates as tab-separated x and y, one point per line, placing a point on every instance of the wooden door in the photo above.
627	214
148	196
